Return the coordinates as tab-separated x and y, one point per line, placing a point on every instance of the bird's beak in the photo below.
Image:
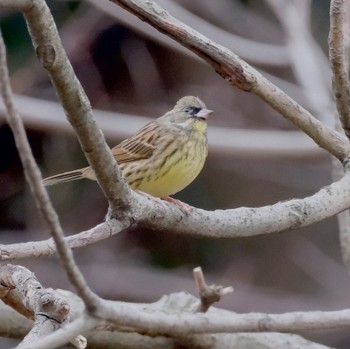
203	114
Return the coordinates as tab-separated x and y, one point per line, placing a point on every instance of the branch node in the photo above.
46	55
208	294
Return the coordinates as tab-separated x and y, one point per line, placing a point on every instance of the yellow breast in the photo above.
172	170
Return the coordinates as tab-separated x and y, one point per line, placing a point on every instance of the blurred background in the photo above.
132	74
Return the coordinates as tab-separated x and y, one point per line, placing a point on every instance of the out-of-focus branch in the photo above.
253	51
83	324
341	83
239	74
310	66
339	57
251	341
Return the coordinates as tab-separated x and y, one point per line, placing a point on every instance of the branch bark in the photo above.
340	80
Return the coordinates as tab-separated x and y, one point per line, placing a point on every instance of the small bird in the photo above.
163	157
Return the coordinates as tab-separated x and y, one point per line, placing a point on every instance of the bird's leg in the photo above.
185	208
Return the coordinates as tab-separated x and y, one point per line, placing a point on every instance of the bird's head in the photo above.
189	112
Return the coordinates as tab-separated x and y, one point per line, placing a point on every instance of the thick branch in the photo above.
245	221
341	83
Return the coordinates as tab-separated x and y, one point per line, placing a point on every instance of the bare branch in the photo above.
178	306
249	341
173	316
341	83
244	221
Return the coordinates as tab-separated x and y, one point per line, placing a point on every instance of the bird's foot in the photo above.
185	208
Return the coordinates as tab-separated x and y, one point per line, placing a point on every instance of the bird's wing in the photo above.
140	146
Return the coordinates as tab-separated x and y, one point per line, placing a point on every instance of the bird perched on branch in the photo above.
164	156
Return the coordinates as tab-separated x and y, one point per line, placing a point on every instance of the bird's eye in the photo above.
192	110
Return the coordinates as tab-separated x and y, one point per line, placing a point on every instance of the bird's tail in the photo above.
66	177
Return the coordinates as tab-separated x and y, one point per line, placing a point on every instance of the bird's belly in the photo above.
174	175
179	176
